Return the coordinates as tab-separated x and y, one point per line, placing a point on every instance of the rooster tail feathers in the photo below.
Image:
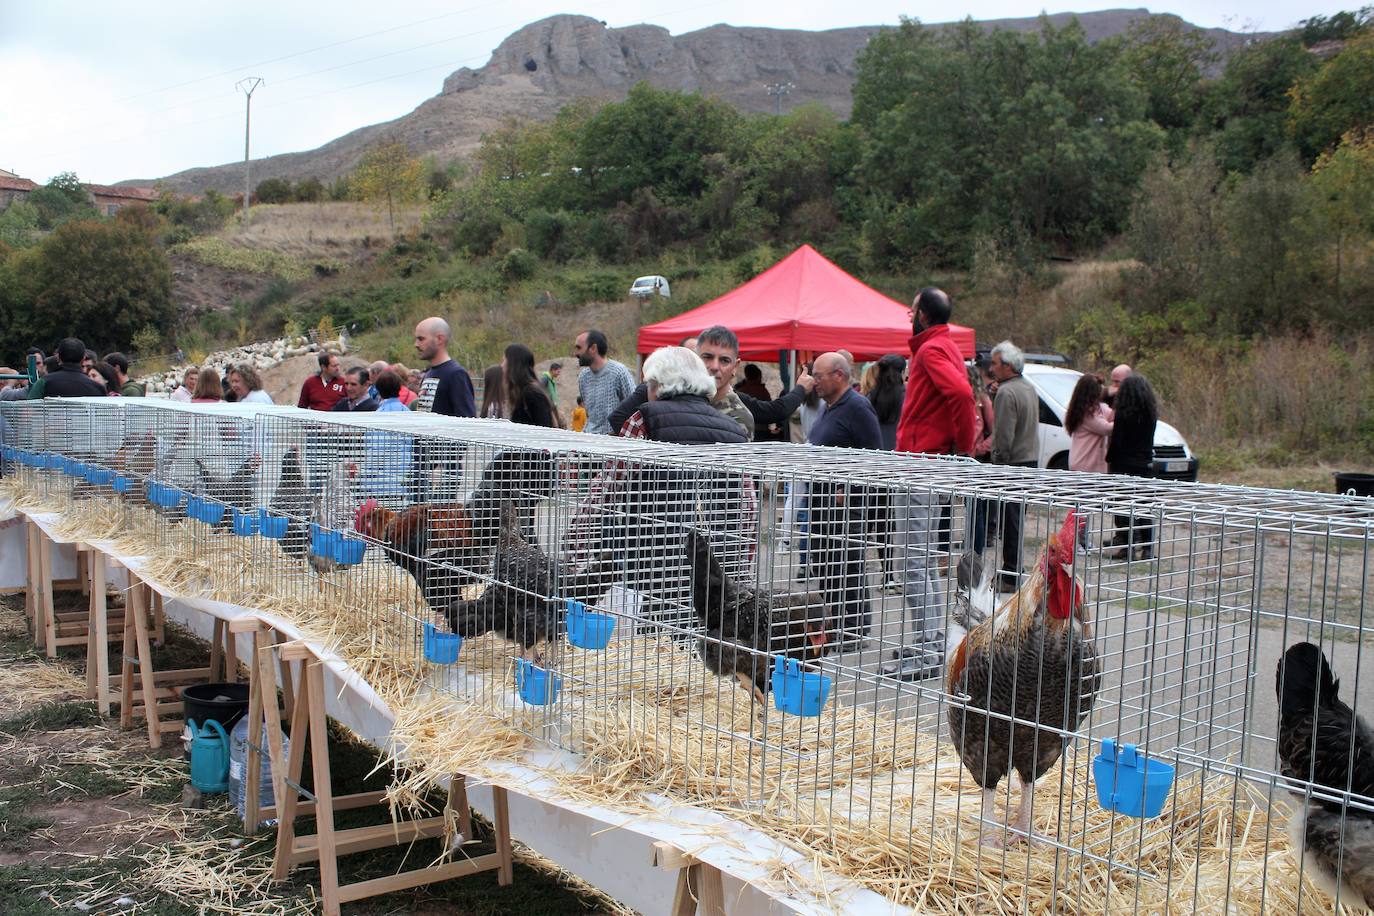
708	579
1304	680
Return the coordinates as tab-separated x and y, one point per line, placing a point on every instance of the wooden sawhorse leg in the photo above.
308	723
700	887
34	594
156	697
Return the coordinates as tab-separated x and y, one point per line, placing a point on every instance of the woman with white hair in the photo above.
679	407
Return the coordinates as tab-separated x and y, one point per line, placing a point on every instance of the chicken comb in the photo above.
1067	539
361	512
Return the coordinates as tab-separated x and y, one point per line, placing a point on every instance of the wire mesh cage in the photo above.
1024	689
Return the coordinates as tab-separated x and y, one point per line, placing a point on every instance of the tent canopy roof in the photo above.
804	302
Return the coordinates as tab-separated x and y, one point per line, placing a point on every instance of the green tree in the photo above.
1248	106
968	133
1343	204
1167	58
63	198
388	175
274	191
1335	99
110	280
308	191
19	224
1336	27
1174	230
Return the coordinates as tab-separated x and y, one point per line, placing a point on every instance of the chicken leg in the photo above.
1012	829
748	684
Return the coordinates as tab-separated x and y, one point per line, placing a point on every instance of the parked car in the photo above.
1173	459
647	287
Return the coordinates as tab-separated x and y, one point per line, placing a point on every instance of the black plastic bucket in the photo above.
225	703
1359	484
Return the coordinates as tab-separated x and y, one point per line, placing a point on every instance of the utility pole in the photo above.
777	91
247	87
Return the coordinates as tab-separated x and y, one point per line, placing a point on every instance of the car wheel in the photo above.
1059	462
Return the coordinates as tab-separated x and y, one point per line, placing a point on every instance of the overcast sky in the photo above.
144	88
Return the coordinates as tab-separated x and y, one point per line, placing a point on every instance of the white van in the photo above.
648	287
1173	459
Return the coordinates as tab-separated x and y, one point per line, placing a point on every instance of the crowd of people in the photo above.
930	401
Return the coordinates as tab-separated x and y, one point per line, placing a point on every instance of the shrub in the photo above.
518	264
273	191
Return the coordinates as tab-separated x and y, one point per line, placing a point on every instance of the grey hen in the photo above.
1323	743
523	601
745	627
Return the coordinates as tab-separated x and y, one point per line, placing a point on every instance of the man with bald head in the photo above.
1119	375
447	388
838	513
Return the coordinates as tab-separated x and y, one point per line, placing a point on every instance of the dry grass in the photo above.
900	817
331	229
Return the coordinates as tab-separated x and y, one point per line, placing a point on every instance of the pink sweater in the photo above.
1088	450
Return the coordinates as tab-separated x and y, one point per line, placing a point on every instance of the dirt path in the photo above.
91	818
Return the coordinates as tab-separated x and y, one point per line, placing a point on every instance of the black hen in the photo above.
746	627
524	600
292	499
1322	742
235	490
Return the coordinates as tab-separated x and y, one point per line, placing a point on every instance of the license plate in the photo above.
1176	467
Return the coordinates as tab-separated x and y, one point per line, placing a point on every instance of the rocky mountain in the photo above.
546	64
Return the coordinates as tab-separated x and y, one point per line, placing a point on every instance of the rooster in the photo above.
1322	742
1034	660
522	602
746	627
441	545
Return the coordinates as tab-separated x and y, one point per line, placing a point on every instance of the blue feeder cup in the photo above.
121	484
173	497
55	462
212	513
798	692
101	477
441	648
245	523
587	630
537	686
323	542
348	551
193	508
272	526
1130	783
6	452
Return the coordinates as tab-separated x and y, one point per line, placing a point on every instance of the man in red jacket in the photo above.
937	418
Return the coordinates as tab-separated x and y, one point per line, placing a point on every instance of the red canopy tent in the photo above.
802	303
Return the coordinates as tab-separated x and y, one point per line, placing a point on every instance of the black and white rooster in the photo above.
1323	743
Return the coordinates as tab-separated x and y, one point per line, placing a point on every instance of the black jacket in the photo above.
365	405
68	381
1131	448
689	420
763	412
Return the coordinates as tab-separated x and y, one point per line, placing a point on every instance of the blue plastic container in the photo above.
348	551
245	523
272	526
193	508
441	648
101	477
121	484
1130	783
55	462
70	466
588	630
798	692
172	497
537	686
211	512
6	452
324	542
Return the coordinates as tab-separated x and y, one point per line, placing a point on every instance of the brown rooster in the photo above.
1033	660
445	546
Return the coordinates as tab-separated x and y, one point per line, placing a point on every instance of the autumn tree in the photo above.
388	174
1343	180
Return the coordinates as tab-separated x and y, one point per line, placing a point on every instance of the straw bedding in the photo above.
896	815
